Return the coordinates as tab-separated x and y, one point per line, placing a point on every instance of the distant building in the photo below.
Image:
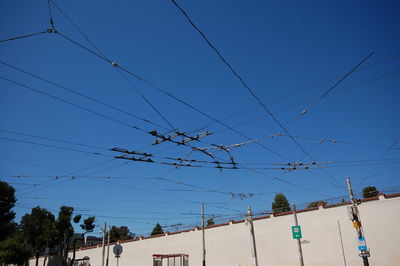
93	241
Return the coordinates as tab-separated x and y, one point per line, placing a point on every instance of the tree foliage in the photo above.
316	204
7	202
157	230
210	222
369	192
65	232
14	250
120	233
39	230
280	204
88	224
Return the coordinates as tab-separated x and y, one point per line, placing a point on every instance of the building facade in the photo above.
328	239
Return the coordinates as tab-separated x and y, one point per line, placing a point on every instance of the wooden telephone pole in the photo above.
355	217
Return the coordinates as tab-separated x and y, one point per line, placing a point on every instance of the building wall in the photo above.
229	244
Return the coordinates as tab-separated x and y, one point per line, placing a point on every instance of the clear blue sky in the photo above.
278	47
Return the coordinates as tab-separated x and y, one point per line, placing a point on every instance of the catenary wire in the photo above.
81	94
23	36
169	94
251	91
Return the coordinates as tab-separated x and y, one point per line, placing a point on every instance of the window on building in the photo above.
170	260
82	262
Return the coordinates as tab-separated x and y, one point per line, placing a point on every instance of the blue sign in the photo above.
362	246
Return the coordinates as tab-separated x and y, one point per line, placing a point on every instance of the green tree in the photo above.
120	233
280	204
7	202
369	192
14	250
88	224
210	222
316	204
39	230
157	230
65	230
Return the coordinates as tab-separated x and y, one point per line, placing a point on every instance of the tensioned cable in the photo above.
54	147
53	139
375	165
299	91
23	36
81	94
105	58
335	128
72	176
50	14
76	27
71	103
32	164
313	99
335	141
167	93
251	91
146	99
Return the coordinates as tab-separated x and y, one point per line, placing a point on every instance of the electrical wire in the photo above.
251	91
31	164
23	36
73	104
167	93
76	92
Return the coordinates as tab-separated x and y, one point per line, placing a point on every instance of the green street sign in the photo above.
296	231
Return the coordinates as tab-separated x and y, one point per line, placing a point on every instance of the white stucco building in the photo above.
329	239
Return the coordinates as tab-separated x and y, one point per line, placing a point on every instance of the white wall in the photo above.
229	245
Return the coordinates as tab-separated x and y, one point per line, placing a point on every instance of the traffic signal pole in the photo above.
355	217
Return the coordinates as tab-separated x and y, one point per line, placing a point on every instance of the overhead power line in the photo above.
171	95
391	147
50	14
334	141
76	27
301	91
251	91
23	36
53	146
73	104
76	92
53	139
31	164
103	57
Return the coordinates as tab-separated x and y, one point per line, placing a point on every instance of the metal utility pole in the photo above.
103	230
108	244
298	239
204	239
249	219
355	217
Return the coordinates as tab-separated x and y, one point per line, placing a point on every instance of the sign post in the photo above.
296	231
117	251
